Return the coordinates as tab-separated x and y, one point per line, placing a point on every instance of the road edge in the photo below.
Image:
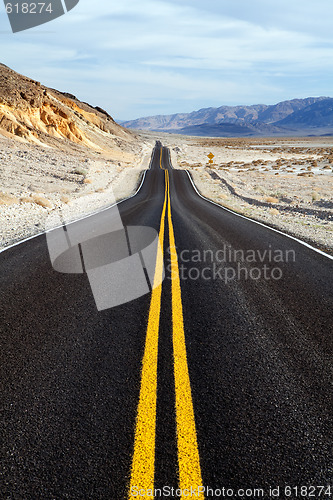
304	243
143	176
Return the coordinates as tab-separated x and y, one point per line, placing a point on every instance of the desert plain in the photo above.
286	183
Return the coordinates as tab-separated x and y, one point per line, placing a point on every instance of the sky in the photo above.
138	58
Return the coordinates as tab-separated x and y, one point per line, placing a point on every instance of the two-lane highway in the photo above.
221	377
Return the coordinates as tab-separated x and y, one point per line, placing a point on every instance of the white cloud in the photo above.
137	58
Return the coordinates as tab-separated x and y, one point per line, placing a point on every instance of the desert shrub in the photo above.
80	171
8	199
270	199
41	201
305	174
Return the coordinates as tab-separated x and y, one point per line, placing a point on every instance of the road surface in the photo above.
220	377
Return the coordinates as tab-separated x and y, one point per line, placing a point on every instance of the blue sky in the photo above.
145	57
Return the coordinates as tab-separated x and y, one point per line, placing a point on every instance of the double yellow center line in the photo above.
143	464
161	155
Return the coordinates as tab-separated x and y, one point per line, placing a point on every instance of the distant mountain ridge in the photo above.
312	115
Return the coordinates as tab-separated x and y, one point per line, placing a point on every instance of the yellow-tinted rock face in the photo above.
35	113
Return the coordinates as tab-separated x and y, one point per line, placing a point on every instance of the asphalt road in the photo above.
221	376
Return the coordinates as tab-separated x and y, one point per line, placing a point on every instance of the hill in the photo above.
297	116
319	114
33	113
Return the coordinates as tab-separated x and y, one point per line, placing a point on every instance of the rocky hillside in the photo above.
33	113
298	116
318	114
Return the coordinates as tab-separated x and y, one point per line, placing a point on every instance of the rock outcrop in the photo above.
32	112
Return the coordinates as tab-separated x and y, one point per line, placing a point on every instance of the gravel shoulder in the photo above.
37	181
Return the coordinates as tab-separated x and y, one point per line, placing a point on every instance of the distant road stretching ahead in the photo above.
220	377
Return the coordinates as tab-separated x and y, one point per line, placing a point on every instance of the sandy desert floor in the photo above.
37	181
286	183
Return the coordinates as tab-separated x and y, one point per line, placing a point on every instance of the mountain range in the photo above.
310	116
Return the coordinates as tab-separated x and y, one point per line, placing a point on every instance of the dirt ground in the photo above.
286	183
36	181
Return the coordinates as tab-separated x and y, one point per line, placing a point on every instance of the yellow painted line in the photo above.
188	454
143	464
161	158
